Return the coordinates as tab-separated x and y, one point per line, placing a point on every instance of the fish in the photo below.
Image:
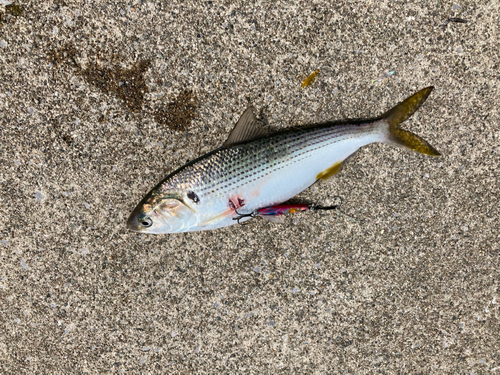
256	168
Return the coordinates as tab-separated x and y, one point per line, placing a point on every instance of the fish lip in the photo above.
133	220
132	229
132	223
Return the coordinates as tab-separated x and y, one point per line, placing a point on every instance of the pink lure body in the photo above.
283	209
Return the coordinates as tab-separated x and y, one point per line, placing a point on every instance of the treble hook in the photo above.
241	216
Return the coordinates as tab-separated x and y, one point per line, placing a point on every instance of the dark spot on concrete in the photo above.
14	9
56	127
178	114
66	53
127	84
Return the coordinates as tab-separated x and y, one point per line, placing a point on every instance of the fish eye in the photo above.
146	222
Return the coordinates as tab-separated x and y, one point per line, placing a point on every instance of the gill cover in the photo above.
160	213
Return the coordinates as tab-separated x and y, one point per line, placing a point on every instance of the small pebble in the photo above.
39	196
24	265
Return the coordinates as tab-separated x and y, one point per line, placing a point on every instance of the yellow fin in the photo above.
412	141
407	107
402	112
329	172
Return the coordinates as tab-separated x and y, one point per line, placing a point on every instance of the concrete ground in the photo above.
101	100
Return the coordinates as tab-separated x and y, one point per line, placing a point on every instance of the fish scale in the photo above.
257	158
254	170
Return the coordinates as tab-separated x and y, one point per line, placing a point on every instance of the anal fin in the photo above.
329	172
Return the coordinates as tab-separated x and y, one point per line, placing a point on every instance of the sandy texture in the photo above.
101	100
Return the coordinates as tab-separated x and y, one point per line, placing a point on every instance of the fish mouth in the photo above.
133	223
133	220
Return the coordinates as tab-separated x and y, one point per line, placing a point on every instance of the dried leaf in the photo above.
310	79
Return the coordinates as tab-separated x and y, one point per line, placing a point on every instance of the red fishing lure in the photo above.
273	213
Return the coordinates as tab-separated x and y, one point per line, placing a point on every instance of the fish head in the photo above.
161	212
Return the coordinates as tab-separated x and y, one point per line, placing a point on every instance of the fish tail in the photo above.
402	112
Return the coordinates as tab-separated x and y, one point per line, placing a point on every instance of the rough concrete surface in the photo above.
101	100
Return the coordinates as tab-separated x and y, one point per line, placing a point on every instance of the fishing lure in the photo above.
275	213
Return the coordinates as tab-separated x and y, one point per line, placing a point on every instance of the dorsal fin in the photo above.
247	127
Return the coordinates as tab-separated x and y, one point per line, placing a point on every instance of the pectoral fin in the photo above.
217	218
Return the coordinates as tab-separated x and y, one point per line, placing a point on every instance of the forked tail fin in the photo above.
402	112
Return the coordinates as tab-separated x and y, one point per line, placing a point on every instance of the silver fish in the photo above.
254	169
